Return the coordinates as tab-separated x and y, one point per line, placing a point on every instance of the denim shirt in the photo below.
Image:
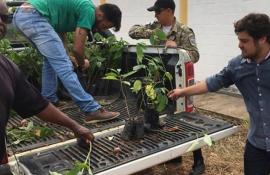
253	81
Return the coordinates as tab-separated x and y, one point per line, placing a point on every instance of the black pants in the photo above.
256	161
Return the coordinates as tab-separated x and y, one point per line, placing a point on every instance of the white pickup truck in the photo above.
59	153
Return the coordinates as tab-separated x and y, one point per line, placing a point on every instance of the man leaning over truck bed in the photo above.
42	20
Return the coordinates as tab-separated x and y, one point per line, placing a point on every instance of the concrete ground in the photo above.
226	105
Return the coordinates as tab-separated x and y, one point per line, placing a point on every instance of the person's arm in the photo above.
54	115
186	40
63	37
27	101
142	31
196	89
78	47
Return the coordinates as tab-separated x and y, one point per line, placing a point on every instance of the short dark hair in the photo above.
256	25
113	14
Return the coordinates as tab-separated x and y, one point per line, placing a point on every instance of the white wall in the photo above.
211	20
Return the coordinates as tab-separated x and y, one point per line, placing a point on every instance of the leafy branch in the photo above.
28	133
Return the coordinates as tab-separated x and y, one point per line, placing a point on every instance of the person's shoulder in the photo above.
4	61
85	4
8	66
182	27
236	60
154	24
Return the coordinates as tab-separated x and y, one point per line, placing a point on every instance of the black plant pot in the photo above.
134	129
151	119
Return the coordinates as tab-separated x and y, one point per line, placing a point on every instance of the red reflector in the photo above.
189	68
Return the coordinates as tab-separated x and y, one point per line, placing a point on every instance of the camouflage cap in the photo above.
162	4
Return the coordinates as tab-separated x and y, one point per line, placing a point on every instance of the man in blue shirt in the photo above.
250	72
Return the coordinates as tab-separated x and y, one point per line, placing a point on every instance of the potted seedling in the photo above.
103	53
134	125
151	89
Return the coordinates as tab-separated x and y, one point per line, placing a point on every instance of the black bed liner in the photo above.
190	126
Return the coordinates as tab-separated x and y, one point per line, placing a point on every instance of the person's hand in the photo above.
74	61
84	133
86	64
175	94
170	44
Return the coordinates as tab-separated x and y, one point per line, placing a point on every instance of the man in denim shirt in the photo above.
250	72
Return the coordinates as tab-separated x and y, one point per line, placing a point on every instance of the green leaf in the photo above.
28	133
139	51
207	139
162	102
152	40
128	74
29	126
137	86
193	146
168	75
77	168
98	37
113	74
138	67
110	78
17	142
150	91
126	82
161	35
44	132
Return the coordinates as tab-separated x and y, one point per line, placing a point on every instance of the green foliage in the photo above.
195	144
157	37
104	54
28	60
139	51
152	86
28	133
208	140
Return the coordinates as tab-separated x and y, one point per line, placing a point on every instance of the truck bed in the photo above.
156	147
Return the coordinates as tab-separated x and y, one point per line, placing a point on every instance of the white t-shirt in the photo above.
166	29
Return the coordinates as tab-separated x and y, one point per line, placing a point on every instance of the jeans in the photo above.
56	62
256	161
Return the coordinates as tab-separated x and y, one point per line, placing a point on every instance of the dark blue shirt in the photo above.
18	94
253	81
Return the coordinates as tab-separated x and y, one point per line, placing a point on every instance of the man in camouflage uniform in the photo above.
178	35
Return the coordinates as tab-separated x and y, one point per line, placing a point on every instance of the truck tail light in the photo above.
189	68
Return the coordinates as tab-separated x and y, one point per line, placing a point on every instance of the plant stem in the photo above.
88	160
125	98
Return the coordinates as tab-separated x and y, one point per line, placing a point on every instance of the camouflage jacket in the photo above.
181	34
